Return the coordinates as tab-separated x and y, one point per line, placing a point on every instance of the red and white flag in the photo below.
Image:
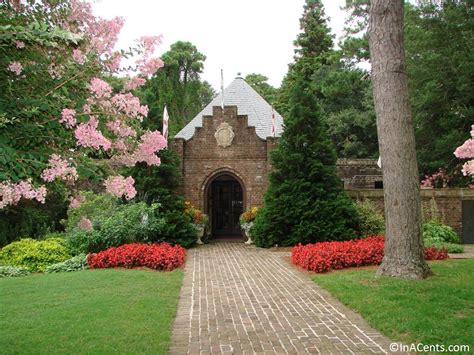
273	123
165	124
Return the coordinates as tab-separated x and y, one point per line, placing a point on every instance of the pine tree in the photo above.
305	201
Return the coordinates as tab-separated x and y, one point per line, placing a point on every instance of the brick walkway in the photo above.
239	299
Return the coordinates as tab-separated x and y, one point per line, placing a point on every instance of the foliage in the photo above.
34	255
133	222
440	81
248	216
342	91
305	201
13	271
92	206
52	313
158	184
438	232
76	263
450	247
435	311
178	86
66	121
322	257
32	218
155	256
371	220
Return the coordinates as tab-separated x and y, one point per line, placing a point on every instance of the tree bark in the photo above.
403	241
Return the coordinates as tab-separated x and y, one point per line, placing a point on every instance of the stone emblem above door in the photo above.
224	135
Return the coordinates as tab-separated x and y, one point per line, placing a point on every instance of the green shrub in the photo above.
450	247
34	255
13	271
371	220
76	263
133	222
437	231
94	206
56	235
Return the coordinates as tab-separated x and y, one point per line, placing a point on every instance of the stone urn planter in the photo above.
246	227
199	233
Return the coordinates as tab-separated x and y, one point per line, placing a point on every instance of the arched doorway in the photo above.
225	204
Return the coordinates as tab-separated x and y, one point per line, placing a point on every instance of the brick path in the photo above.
239	299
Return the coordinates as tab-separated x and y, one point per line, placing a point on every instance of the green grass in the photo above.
438	310
93	311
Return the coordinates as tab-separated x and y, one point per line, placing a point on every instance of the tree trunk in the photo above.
403	243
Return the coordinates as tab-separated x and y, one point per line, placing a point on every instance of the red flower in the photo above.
155	256
321	257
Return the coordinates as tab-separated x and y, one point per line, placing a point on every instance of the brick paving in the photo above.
240	299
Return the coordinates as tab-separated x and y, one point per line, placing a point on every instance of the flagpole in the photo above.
273	123
165	124
222	88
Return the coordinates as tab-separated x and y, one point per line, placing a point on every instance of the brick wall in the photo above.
448	202
202	159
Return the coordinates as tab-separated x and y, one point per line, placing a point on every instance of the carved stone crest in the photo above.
224	135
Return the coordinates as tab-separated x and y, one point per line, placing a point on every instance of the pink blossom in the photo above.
468	168
472	131
76	201
120	145
439	177
151	142
134	83
113	63
58	167
20	44
11	194
150	66
120	129
100	88
68	118
466	150
130	106
120	186
150	42
15	67
80	13
78	56
85	224
104	34
87	135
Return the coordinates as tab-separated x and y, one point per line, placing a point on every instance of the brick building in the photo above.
225	155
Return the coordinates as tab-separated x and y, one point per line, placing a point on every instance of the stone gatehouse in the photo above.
225	155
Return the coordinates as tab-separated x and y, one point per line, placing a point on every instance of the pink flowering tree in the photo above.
466	151
65	115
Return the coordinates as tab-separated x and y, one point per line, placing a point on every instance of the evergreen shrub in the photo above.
305	201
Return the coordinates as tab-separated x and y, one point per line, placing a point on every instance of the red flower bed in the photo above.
155	256
321	257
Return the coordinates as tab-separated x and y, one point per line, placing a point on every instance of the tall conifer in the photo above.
305	201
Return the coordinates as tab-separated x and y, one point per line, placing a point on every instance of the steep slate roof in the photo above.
248	102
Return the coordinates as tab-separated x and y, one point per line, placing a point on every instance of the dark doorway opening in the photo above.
468	221
225	206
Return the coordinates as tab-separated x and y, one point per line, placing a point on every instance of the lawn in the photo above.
439	310
93	311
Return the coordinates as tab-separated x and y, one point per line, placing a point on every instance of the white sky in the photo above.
247	36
